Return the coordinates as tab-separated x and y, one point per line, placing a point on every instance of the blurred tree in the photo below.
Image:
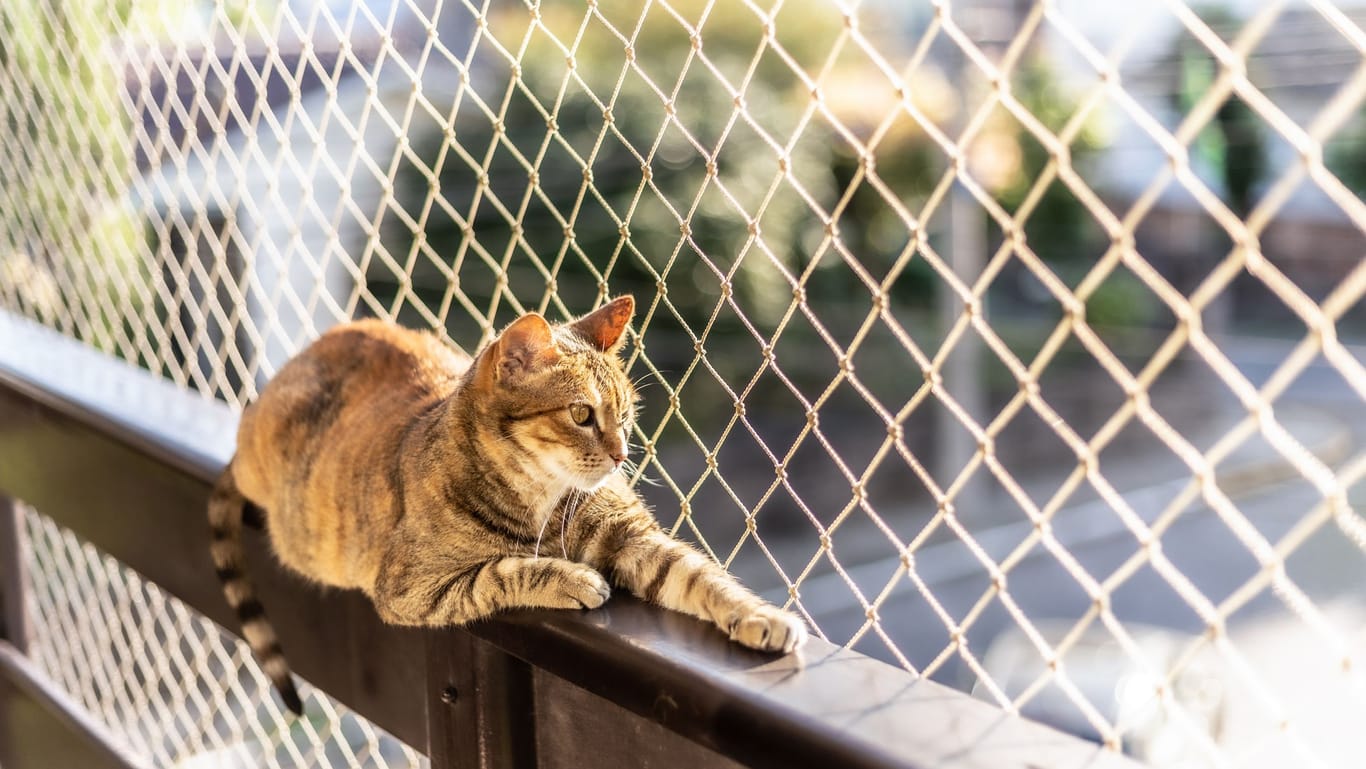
1346	156
67	162
738	111
1232	145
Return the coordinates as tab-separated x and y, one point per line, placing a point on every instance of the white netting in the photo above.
170	684
1009	342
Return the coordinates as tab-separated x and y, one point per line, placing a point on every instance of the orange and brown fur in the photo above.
448	488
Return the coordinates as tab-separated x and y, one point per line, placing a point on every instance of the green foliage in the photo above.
650	169
477	211
68	160
1233	144
1346	156
1059	228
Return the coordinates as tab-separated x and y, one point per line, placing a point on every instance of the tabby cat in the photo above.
449	488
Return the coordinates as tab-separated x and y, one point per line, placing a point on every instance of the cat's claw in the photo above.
588	588
769	629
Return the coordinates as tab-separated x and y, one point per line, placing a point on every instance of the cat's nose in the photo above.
617	456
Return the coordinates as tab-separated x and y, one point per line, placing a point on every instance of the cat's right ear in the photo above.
524	347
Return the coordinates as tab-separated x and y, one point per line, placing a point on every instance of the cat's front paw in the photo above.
769	629
586	587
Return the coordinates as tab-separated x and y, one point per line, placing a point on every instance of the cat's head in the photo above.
559	394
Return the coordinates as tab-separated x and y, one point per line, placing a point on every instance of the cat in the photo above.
449	488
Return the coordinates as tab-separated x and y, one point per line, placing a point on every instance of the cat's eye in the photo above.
582	414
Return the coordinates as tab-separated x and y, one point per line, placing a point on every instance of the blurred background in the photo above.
986	333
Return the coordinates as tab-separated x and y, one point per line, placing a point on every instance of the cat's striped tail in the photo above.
226	506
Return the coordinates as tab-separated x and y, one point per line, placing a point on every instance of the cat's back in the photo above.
365	376
356	359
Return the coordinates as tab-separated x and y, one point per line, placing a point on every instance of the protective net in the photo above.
1012	343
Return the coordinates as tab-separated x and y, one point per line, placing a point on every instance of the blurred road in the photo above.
1278	651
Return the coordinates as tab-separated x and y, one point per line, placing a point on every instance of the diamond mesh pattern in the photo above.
171	684
785	187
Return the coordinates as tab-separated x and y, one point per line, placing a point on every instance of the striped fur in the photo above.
449	488
226	506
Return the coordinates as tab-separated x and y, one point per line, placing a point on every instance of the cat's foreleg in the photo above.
464	592
662	570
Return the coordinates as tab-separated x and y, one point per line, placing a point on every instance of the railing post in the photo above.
13	576
480	705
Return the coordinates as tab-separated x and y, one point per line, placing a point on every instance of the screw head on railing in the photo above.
449	695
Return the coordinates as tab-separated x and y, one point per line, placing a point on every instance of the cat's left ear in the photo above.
524	346
605	327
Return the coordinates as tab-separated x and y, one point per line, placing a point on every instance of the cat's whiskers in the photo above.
633	470
575	499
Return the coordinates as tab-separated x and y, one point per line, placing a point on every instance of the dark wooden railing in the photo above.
125	459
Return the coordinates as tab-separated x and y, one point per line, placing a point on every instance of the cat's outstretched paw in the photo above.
586	588
769	629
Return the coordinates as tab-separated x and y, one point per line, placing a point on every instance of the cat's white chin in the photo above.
591	485
579	482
